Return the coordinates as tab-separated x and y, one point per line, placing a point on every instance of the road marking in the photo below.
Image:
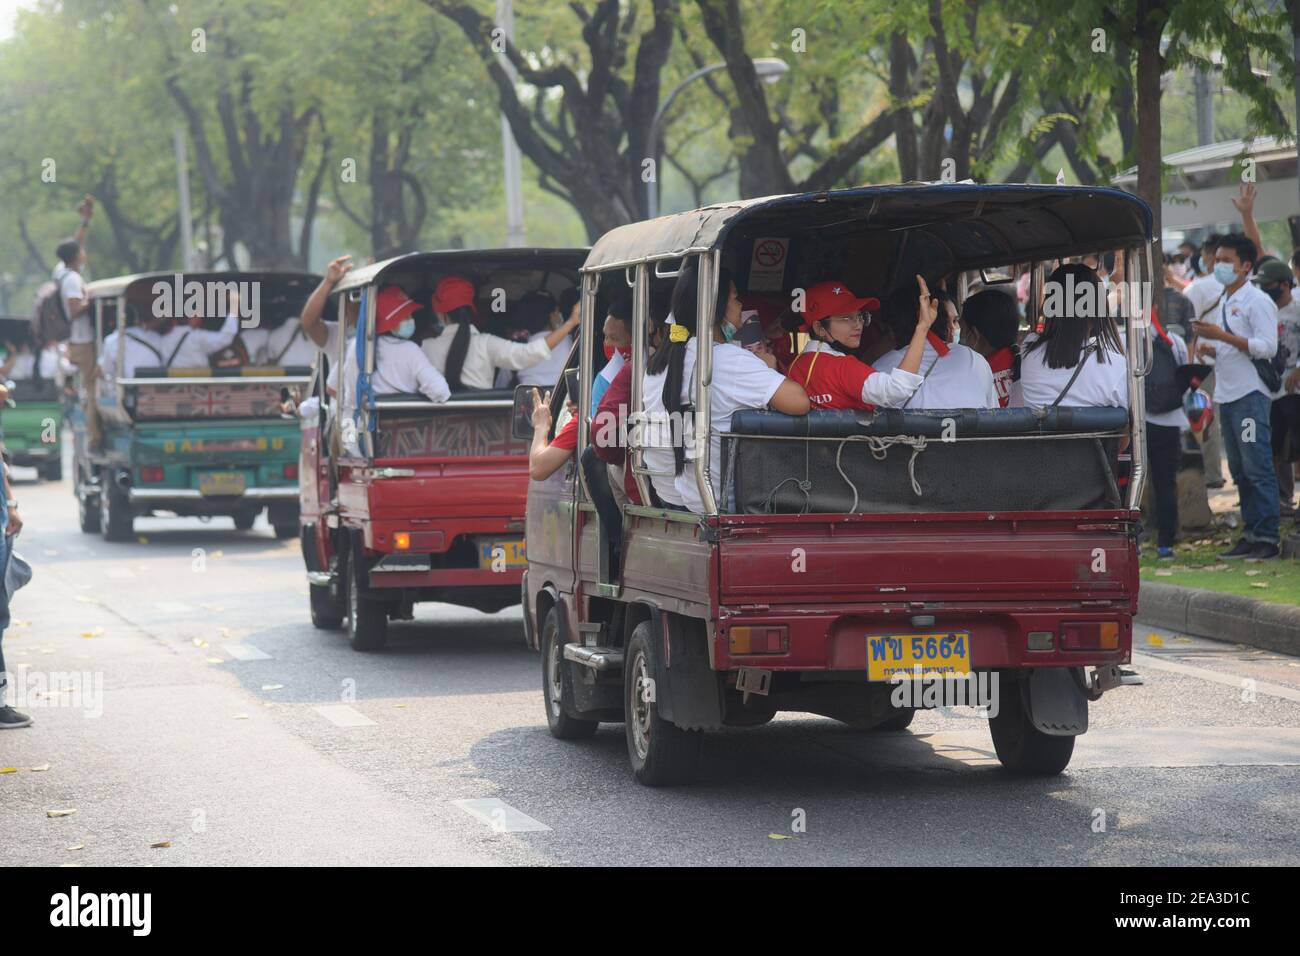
1228	680
245	652
501	816
341	715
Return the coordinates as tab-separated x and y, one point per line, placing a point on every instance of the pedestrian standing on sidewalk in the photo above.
1206	294
1164	427
11	524
1244	330
1276	281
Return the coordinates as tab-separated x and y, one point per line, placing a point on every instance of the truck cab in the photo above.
204	440
845	563
407	501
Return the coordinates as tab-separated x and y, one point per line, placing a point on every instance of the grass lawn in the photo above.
1197	564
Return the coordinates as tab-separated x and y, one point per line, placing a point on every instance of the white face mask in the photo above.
405	329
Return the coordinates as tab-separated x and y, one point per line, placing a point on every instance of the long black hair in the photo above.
1065	332
670	357
899	312
463	316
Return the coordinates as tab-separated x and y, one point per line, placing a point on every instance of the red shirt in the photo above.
1003	363
832	380
618	393
567	437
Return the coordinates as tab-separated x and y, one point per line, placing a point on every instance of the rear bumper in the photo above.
999	635
158	497
447	578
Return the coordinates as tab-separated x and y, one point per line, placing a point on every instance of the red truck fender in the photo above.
688	691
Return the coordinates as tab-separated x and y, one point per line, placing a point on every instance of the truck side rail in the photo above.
468	425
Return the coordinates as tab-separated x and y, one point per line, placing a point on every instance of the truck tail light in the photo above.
402	541
291	471
1090	635
151	473
761	639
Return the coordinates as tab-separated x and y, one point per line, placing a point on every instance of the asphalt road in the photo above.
181	696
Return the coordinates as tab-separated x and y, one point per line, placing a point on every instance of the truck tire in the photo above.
661	753
901	719
1021	747
554	685
367	620
326	614
244	520
116	523
88	512
283	532
52	470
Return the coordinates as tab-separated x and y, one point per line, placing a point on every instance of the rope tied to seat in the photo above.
880	451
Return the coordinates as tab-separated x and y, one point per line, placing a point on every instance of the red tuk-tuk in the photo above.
403	500
863	549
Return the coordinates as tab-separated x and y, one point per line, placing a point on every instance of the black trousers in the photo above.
1165	454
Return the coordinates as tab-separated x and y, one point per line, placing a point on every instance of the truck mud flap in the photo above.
690	692
1056	702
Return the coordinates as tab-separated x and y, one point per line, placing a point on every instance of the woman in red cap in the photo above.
400	365
831	375
469	358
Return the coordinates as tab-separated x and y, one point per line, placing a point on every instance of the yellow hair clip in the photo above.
678	333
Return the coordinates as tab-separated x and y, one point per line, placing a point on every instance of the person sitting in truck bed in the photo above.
469	358
833	377
741	379
955	376
990	324
142	349
20	362
185	347
1077	360
401	367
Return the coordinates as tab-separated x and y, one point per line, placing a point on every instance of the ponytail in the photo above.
464	319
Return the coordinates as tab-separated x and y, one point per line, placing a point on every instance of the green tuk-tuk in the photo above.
32	420
192	441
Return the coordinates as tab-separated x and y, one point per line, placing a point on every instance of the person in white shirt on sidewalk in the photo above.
953	376
468	358
1242	330
1205	293
1164	431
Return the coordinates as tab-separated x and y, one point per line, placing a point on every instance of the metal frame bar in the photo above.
640	355
707	296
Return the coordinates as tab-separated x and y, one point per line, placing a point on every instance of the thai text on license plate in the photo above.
501	553
222	483
918	656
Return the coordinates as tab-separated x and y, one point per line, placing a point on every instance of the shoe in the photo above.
1263	551
10	719
1240	550
1164	554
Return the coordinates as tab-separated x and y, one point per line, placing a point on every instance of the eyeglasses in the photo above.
857	318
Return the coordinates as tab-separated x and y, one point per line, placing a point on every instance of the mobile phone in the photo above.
571	385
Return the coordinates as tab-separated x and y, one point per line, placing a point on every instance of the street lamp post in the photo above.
769	69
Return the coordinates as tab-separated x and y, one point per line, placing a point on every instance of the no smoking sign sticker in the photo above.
767	265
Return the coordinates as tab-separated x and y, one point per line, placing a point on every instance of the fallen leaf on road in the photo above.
779	836
241	717
93	632
60	813
8	769
199	642
1183	640
1155	640
41	769
160	845
399	705
21	624
75	846
216	660
272	687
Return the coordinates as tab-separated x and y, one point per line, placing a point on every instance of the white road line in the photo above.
1228	680
501	816
245	652
341	715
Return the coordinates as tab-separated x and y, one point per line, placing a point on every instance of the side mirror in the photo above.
521	417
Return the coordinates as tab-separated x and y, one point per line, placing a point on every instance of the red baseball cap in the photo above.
392	306
826	299
452	293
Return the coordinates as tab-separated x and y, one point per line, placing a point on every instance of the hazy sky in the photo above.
7	10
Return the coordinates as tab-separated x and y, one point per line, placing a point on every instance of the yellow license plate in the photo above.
918	656
216	483
498	553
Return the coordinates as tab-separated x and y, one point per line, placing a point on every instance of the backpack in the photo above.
49	319
1161	383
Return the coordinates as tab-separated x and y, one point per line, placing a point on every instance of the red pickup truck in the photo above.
853	561
413	501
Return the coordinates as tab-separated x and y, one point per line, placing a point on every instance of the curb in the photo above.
1223	617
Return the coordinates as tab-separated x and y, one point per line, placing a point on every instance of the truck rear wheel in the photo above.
662	754
116	523
244	520
367	619
326	614
562	726
901	719
52	470
283	532
88	511
1021	747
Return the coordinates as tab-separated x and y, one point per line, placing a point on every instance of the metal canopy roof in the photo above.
979	224
1219	156
451	258
143	282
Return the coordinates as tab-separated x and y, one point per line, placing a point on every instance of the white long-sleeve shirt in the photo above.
486	354
190	348
400	368
142	350
961	378
1252	315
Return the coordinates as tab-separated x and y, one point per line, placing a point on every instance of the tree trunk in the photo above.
1151	22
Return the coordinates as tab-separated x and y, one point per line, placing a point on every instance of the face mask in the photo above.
728	331
406	328
1274	292
1224	273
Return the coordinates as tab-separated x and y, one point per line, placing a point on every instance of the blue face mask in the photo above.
728	332
406	328
1225	273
